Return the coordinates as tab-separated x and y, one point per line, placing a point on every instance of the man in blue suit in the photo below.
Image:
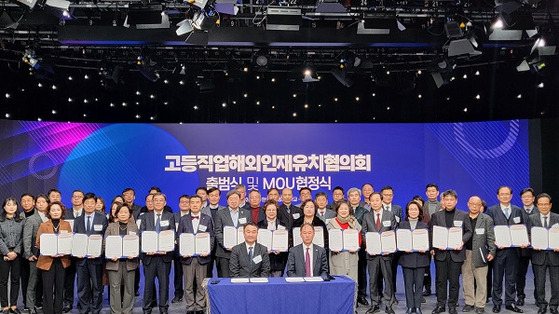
506	260
90	269
157	264
195	267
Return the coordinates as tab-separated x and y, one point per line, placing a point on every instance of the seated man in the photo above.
307	259
249	259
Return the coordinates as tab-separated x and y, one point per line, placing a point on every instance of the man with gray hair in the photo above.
232	216
242	189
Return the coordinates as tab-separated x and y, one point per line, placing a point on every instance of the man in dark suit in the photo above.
366	190
448	263
307	259
337	195
379	220
70	272
287	211
184	209
249	259
354	197
474	269
322	212
157	264
506	261
129	196
214	195
545	260
232	216
241	188
528	197
387	196
432	205
194	267
90	268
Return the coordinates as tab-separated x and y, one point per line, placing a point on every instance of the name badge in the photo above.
142	213
296	216
242	221
397	219
138	222
386	223
97	227
516	220
280	227
480	230
458	223
257	259
131	233
164	223
328	221
202	228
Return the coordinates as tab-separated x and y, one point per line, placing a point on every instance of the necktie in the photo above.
507	213
378	221
308	264
545	221
88	229
158	223
387	208
194	217
250	254
528	211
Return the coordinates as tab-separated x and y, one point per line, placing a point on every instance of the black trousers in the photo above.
24	272
159	269
540	277
413	283
489	279
447	280
223	265
427	278
523	262
90	287
8	268
69	283
177	280
505	265
362	272
53	287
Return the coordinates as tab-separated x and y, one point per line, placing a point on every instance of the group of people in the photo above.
48	281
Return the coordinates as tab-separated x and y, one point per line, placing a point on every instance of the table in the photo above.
279	296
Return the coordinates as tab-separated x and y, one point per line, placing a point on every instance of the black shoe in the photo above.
200	312
480	310
467	308
427	292
137	293
496	309
520	301
373	309
15	311
452	310
67	308
176	299
553	310
542	310
410	310
389	310
163	311
514	308
438	309
362	300
418	311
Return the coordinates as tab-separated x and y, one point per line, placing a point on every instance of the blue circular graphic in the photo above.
126	155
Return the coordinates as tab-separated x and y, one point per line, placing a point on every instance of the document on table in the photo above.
553	238
420	240
187	245
313	279
372	241
149	241
265	238
388	241
94	245
240	280
440	237
203	245
113	246
65	243
519	235
280	240
131	245
351	239
297	236
318	236
259	279
404	240
166	241
336	240
49	244
79	245
454	238
294	279
540	238
502	236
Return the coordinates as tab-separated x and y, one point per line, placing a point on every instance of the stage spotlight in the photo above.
308	76
342	76
30	58
184	27
261	59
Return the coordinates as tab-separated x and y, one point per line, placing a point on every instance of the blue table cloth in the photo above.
279	296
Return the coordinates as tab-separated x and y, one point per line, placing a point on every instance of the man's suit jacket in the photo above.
293	214
483	236
241	266
517	216
296	261
222	219
148	224
136	211
396	210
388	222
30	235
415	259
538	256
185	226
100	223
438	219
429	212
69	215
328	214
211	212
114	229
